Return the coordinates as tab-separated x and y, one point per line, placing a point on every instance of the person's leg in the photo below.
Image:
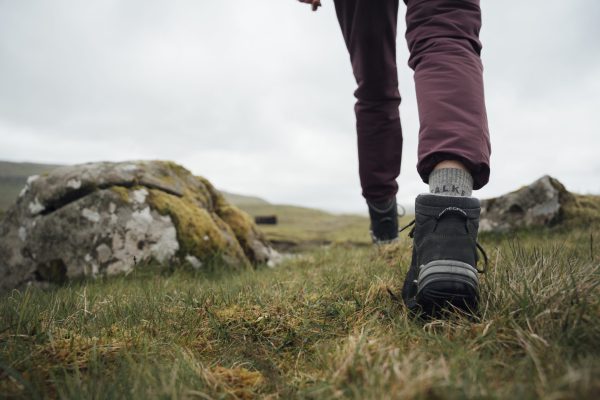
443	39
369	30
454	152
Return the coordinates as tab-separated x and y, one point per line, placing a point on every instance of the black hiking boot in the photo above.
384	222
443	271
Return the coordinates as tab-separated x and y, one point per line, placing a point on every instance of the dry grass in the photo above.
320	326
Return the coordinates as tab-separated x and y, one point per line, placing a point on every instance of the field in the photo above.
322	325
302	228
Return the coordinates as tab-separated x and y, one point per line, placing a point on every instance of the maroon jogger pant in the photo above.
443	39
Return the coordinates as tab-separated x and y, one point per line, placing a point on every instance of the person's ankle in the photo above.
451	178
450	164
384	220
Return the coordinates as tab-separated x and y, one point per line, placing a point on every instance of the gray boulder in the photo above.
103	218
540	204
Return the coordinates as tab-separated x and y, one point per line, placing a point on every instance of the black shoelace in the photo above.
461	212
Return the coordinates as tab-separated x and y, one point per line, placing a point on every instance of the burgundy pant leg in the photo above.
443	39
369	30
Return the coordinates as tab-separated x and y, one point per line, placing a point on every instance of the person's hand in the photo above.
315	3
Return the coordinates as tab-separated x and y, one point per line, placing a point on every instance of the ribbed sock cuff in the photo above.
451	182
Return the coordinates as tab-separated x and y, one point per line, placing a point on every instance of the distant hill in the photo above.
243	201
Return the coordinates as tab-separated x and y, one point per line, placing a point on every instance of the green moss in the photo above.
200	196
242	225
207	225
176	169
213	196
239	221
199	233
122	192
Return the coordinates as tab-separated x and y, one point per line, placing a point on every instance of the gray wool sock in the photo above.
451	182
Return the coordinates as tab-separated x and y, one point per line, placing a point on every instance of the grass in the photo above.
322	325
300	228
299	225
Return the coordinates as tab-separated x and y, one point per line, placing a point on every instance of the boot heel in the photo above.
447	282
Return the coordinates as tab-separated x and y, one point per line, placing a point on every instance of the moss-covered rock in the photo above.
199	231
103	218
545	202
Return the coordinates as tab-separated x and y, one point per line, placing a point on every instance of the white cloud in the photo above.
257	96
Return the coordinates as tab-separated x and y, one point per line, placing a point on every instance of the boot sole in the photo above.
447	284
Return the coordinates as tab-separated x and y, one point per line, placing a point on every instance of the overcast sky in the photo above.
258	95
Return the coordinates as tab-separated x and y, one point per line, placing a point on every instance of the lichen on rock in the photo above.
103	218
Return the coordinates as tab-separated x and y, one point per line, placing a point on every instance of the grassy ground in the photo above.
300	228
320	326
